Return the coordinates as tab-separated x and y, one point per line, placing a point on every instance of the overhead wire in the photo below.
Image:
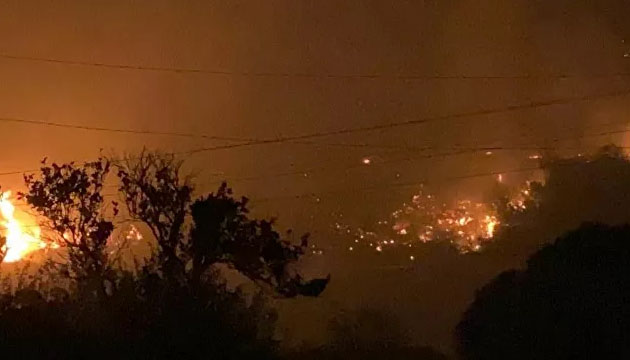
496	110
246	142
306	75
424	120
399	185
455	151
317	195
120	130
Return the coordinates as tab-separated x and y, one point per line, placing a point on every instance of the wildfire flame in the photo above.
465	224
490	223
21	240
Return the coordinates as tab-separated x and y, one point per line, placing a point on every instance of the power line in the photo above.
455	152
300	139
393	161
119	130
356	166
483	112
462	151
305	75
18	172
491	143
188	135
204	136
398	185
491	111
401	185
411	184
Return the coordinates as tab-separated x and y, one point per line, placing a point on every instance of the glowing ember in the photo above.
468	226
20	241
491	223
518	201
134	235
465	225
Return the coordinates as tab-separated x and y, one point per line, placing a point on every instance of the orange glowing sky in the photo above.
432	37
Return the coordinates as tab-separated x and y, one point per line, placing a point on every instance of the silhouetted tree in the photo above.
572	301
157	194
223	233
589	188
69	198
128	326
173	304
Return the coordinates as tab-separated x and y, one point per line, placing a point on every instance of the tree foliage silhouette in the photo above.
368	334
586	188
572	301
173	303
69	198
157	194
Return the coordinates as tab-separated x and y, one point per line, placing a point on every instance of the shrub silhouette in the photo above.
572	301
368	334
173	304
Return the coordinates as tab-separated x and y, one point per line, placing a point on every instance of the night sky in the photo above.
283	68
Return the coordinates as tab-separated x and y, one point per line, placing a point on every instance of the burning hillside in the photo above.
467	225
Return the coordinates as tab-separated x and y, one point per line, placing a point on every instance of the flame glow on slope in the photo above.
21	240
465	224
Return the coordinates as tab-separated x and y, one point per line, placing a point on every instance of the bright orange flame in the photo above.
19	241
491	223
467	225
